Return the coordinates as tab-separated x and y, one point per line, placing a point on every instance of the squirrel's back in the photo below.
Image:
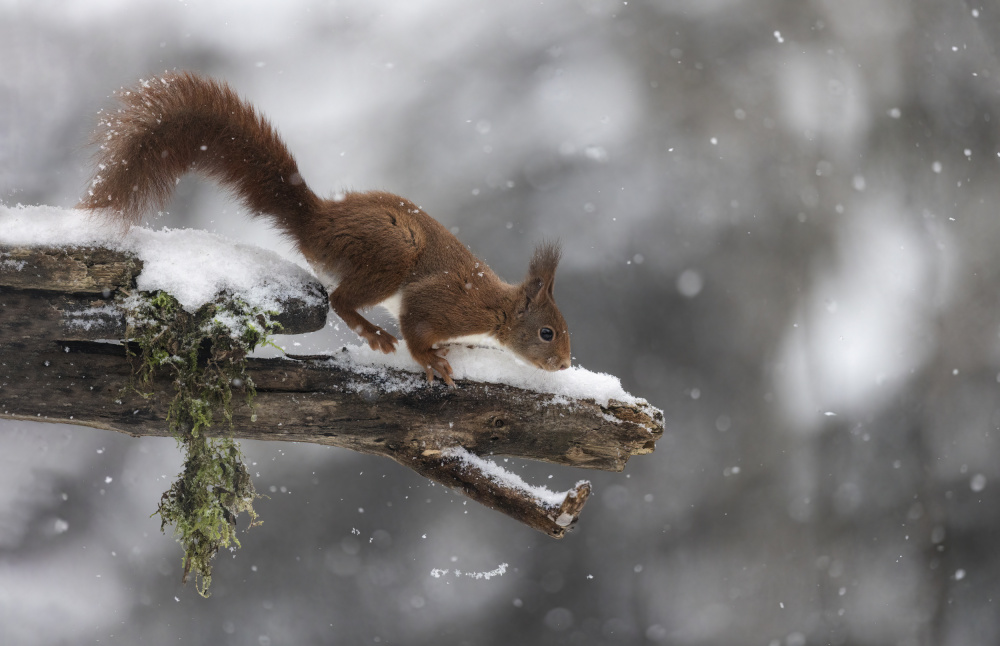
177	123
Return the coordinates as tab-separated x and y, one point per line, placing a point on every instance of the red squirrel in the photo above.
369	247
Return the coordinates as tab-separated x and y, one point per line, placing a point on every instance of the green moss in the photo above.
206	354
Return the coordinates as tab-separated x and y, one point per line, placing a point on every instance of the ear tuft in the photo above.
542	273
544	262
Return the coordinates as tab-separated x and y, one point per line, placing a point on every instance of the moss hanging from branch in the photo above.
207	353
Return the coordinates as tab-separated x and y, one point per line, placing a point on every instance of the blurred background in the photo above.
779	225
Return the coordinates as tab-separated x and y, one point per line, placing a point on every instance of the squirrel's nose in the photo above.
564	365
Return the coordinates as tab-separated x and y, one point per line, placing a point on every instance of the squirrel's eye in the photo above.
546	334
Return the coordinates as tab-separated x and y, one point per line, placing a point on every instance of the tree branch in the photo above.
52	368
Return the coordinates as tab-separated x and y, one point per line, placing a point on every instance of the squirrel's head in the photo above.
539	332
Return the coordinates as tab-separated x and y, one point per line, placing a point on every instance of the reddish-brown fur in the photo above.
377	243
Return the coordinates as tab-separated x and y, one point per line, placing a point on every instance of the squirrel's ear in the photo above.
542	271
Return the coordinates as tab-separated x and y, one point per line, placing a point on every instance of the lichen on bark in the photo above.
206	353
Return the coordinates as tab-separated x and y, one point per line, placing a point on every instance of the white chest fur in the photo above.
394	304
476	339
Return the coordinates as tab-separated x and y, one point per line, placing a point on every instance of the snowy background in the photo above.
779	223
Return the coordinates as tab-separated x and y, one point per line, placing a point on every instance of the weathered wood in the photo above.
319	401
314	400
516	502
73	270
52	369
29	317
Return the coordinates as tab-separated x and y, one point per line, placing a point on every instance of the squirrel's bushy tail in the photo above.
177	123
